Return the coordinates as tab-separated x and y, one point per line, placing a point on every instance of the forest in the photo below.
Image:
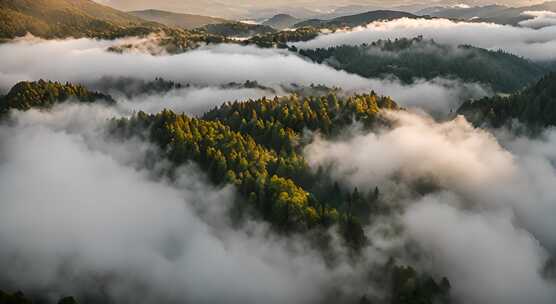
534	106
419	58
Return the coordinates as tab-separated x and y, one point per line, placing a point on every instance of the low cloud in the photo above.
87	61
485	197
539	19
79	215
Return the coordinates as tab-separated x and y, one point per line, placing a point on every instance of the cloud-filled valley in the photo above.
234	173
481	189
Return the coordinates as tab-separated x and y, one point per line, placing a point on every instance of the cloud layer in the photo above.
87	61
539	19
79	215
535	44
483	198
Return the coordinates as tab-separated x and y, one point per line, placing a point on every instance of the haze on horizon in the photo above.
246	8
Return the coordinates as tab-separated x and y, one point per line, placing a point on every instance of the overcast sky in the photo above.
235	8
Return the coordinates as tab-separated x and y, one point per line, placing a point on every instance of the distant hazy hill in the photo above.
535	106
62	18
187	21
491	13
408	59
238	29
282	21
357	20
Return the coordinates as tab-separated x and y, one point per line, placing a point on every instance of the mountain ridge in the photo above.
181	20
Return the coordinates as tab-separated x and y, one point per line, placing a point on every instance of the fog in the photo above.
539	19
87	61
81	216
486	197
534	44
194	101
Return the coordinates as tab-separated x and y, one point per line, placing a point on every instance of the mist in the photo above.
539	19
80	215
485	197
534	44
87	61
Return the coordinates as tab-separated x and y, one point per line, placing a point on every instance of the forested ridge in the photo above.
535	106
45	94
356	20
256	146
408	59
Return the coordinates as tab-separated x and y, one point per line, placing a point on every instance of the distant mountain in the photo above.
62	18
491	13
356	20
238	29
281	21
409	59
187	21
535	106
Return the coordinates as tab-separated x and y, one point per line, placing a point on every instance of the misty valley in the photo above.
359	152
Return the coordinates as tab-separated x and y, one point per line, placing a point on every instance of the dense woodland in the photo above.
535	106
408	59
256	145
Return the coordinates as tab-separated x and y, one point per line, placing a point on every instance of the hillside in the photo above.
63	18
534	106
408	59
281	21
237	29
45	94
356	20
186	21
491	13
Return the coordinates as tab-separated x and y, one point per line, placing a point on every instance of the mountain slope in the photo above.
408	59
491	13
62	18
281	21
535	106
357	20
187	21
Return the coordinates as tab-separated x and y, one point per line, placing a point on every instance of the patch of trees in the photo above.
410	287
534	106
20	298
277	123
408	59
45	94
282	38
131	87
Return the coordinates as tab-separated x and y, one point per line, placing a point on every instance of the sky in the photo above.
238	8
